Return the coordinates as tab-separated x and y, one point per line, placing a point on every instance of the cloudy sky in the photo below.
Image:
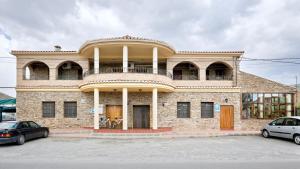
263	29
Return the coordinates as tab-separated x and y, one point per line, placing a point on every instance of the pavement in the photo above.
205	152
138	134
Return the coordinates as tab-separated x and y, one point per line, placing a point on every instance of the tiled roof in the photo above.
4	96
42	52
127	38
209	52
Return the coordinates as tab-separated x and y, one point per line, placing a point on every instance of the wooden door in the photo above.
113	112
141	118
226	117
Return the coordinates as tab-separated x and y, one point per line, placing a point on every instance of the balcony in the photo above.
136	79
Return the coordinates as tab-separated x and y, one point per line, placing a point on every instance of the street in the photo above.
214	152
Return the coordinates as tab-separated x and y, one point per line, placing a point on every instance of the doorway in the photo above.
141	117
226	117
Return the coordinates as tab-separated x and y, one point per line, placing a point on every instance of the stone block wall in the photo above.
29	107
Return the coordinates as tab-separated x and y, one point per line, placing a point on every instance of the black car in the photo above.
19	132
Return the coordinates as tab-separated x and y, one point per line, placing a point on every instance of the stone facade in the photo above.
29	107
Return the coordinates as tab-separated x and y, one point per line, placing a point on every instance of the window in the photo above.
207	109
183	110
290	122
33	124
23	125
267	105
70	109
278	122
48	109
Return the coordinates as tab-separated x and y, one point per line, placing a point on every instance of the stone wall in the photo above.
29	107
167	116
254	124
252	83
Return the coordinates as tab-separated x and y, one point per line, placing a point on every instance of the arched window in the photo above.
36	70
69	71
219	71
185	71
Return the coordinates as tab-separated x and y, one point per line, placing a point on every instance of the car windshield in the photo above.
8	125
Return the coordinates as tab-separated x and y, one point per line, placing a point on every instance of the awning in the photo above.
7	101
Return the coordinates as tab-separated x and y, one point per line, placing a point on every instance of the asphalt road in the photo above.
215	152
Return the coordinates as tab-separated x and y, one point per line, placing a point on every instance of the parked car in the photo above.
284	127
21	131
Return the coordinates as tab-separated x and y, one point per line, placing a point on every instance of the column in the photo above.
96	108
155	62
202	74
154	108
125	109
96	60
125	59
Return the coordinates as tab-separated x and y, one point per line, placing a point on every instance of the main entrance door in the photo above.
141	118
226	117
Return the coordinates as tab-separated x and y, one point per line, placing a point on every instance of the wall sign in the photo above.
217	107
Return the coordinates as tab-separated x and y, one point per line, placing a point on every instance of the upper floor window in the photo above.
69	71
36	71
185	71
219	71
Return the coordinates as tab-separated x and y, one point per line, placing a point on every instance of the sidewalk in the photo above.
138	134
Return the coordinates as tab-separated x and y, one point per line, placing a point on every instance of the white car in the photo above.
284	127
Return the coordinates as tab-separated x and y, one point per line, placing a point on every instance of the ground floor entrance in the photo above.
226	117
114	115
141	116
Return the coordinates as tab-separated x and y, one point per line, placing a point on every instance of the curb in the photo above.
146	135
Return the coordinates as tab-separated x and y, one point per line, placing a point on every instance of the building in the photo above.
144	83
7	107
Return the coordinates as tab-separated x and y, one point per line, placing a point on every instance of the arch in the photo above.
36	70
219	71
69	70
186	71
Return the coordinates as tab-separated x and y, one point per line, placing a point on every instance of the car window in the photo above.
33	124
8	125
278	122
290	122
298	122
23	125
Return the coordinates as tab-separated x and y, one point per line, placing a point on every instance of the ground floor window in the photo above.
207	109
70	109
183	109
48	109
267	105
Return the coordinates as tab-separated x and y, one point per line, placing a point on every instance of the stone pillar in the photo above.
154	108
125	108
96	60
202	74
125	59
155	62
96	108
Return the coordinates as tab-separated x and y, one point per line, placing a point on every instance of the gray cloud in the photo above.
263	28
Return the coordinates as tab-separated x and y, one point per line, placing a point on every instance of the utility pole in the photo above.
296	101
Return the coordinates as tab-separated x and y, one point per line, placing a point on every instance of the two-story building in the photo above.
145	83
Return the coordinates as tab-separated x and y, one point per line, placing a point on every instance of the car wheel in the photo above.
265	134
297	139
46	134
21	140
